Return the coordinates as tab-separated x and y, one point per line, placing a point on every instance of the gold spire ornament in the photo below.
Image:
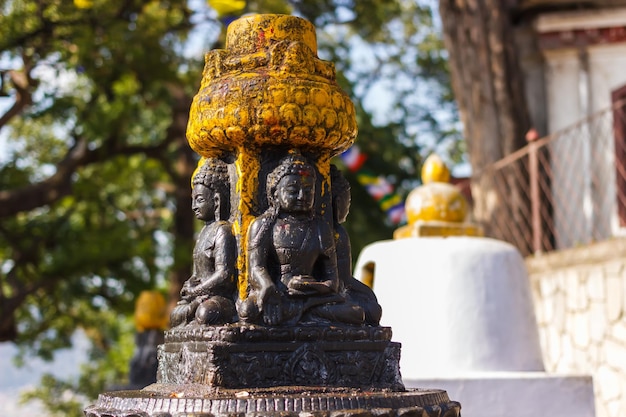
436	208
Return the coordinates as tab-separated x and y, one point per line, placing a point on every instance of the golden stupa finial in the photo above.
436	208
150	311
435	170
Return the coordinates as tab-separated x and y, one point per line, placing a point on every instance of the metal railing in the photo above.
564	190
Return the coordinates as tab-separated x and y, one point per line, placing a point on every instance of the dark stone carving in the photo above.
354	290
207	297
271	322
143	365
249	357
292	256
185	401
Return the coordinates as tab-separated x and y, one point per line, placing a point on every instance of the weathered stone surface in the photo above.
614	298
600	267
612	384
298	336
618	332
575	294
598	320
253	356
581	330
553	348
595	285
547	287
165	400
559	310
614	354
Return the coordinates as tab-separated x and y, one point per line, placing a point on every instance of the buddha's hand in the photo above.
307	285
270	305
187	290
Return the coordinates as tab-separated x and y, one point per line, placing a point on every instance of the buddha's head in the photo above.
211	191
291	185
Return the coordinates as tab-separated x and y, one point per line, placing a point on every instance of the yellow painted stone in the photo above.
436	201
436	208
435	170
437	228
151	311
269	76
267	88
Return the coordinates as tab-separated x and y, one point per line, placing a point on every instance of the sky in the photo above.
15	380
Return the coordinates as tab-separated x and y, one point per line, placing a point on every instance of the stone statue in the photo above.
293	264
207	297
298	341
355	291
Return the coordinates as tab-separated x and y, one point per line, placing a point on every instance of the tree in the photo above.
96	123
489	87
94	184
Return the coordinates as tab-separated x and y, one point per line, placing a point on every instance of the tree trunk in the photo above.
183	227
489	87
180	169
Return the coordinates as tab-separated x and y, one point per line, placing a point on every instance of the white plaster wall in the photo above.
566	107
607	64
607	72
562	79
576	91
456	304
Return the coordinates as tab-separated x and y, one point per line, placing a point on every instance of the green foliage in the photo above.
106	368
390	58
96	107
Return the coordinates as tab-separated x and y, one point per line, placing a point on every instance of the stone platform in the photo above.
516	394
168	400
246	356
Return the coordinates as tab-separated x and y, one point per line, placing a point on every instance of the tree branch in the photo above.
22	82
60	183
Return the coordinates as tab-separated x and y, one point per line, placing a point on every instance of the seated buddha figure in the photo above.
354	290
207	296
291	253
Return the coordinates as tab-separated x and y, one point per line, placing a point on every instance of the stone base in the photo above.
164	400
517	394
247	356
438	229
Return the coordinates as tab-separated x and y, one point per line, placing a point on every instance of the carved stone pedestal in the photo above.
245	356
198	401
237	370
268	118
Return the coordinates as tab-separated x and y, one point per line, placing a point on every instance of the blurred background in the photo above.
95	168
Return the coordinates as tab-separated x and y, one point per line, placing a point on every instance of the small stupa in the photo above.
436	208
462	307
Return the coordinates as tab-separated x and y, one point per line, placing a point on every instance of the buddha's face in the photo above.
296	193
202	204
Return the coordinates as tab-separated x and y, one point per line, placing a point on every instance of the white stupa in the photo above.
462	308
